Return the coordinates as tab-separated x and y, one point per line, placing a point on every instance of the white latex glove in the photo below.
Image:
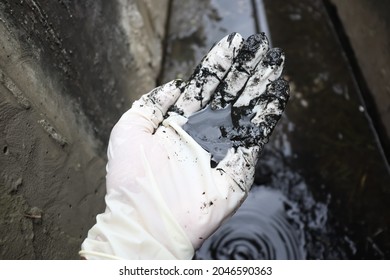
165	193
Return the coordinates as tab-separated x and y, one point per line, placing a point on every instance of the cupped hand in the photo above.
182	159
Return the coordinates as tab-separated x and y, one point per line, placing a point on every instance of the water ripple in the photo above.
267	226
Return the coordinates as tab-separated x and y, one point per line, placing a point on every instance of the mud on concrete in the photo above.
67	72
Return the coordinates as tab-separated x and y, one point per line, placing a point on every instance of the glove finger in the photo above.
269	108
252	51
269	69
256	123
148	111
208	75
238	166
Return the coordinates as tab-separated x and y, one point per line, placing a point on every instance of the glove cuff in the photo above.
116	236
137	225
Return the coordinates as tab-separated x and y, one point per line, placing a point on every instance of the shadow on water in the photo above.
321	188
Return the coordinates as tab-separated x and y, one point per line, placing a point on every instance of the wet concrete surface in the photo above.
323	172
91	60
370	34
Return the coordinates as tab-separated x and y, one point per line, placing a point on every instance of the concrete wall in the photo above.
68	70
367	24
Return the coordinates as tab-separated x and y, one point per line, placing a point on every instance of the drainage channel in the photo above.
320	183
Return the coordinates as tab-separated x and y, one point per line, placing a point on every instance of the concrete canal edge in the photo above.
61	91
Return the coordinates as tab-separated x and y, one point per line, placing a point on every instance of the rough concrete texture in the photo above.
367	25
68	70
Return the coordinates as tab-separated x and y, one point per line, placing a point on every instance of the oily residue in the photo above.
250	47
219	130
273	57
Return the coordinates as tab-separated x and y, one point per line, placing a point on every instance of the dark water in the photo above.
268	226
281	219
322	187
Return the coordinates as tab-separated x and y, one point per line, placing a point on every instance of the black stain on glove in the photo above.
217	131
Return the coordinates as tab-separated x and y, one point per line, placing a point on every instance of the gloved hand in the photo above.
167	191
